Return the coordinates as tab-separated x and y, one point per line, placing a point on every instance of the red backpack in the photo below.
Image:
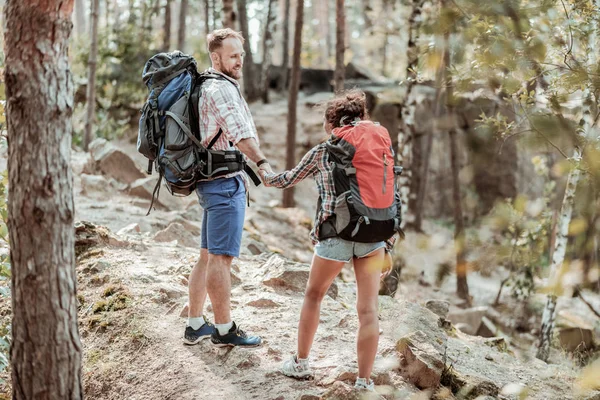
368	207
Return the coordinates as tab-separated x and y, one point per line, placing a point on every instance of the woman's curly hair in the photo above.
346	107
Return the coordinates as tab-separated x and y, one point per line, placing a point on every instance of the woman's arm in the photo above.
306	167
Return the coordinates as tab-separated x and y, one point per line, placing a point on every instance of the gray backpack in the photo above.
168	134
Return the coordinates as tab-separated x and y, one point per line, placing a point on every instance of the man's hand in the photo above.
263	170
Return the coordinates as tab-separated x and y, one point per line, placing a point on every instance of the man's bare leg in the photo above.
218	283
197	286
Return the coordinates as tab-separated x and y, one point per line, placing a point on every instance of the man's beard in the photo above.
232	73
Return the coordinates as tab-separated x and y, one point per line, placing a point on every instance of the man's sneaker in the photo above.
298	369
194	336
361	383
235	337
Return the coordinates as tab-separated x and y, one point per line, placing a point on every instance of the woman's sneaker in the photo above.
361	383
194	336
298	369
235	337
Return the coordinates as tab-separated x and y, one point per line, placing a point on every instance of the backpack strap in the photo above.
183	127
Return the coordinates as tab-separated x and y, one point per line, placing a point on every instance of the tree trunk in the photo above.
290	162
167	27
558	257
411	144
368	23
80	10
340	26
267	49
91	87
462	287
286	46
46	350
250	80
183	10
229	15
206	18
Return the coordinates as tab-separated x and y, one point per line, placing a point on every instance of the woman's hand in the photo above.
387	265
263	171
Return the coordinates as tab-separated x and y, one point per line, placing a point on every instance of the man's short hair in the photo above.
215	39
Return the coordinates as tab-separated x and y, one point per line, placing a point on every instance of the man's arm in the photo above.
250	148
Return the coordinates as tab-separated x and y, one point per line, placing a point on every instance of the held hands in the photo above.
263	170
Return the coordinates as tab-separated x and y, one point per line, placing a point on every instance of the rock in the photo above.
144	187
176	231
470	317
342	391
422	363
189	226
94	183
172	292
263	303
184	311
499	343
576	339
439	307
240	358
309	396
256	247
487	328
114	163
88	235
283	274
131	229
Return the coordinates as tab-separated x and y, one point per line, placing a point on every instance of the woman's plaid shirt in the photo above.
314	163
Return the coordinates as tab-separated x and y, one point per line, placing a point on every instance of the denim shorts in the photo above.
337	249
224	204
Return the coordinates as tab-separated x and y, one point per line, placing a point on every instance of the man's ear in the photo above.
214	57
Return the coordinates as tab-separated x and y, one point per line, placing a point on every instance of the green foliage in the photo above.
520	231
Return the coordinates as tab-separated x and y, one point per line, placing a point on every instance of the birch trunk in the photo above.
45	351
91	87
558	257
290	162
206	18
410	179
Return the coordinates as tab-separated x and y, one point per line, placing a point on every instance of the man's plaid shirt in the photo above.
314	163
221	105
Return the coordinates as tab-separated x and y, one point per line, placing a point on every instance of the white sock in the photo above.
302	361
196	323
224	328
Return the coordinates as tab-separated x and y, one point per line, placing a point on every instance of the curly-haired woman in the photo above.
332	252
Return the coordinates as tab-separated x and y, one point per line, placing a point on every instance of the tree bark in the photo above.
183	10
267	49
340	47
411	143
250	79
462	287
206	18
321	10
80	19
286	45
558	257
91	87
167	27
46	350
229	16
290	162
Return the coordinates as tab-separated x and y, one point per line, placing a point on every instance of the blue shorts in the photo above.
224	204
337	249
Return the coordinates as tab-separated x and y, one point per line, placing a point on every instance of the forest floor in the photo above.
133	288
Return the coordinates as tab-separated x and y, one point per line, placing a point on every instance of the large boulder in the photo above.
176	231
287	275
114	163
